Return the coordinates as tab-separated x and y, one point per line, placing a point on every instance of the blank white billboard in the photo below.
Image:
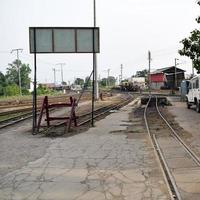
64	40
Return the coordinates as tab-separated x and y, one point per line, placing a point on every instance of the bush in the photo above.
11	90
25	92
43	90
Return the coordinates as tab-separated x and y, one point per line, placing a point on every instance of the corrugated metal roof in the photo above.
162	70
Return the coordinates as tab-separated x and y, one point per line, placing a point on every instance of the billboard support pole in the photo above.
34	109
96	85
93	81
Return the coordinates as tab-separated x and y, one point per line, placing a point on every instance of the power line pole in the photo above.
18	67
121	73
54	75
96	86
61	69
149	77
108	70
192	68
175	74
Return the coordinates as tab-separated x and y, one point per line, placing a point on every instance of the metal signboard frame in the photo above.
33	36
34	31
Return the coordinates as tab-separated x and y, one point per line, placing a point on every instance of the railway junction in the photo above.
131	153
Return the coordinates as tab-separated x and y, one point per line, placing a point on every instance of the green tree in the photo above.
11	90
43	90
12	74
2	83
103	82
110	81
142	73
88	81
191	47
79	81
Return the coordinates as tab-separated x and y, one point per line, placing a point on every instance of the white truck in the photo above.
193	96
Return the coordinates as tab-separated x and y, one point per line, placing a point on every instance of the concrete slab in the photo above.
96	165
188	182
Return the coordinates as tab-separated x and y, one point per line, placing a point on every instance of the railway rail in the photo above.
15	104
163	137
21	112
84	118
103	110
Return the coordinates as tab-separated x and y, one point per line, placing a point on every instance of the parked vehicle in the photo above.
193	96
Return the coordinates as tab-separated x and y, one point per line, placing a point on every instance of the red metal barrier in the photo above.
46	106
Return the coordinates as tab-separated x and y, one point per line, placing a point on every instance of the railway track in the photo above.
179	163
83	118
17	104
104	110
22	112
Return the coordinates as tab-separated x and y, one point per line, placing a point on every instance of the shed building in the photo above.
169	77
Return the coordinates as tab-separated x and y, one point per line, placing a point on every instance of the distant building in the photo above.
52	86
48	85
167	78
138	81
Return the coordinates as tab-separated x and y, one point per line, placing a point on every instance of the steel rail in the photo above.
25	103
176	136
109	108
169	180
16	119
11	112
23	117
12	121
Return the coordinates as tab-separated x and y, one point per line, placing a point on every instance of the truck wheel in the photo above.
198	107
188	105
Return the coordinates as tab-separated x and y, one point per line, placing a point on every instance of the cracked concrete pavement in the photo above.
102	163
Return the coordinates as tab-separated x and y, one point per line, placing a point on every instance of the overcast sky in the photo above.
128	29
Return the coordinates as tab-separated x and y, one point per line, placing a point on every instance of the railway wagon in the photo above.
129	86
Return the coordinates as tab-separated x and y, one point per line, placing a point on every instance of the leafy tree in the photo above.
2	83
11	90
79	81
110	81
12	74
191	47
142	73
88	81
103	82
64	83
43	90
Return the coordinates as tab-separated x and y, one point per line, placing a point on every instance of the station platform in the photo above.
113	160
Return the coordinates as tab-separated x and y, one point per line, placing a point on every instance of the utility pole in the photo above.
108	83
54	75
175	73
18	67
192	68
61	69
121	73
149	77
96	86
